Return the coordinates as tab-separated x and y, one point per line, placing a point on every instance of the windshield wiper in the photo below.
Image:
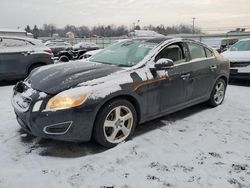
122	65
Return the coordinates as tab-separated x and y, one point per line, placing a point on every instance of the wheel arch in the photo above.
224	78
127	97
36	64
67	54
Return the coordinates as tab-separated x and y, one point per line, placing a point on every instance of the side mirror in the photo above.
164	64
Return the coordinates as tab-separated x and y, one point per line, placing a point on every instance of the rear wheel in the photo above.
218	93
115	123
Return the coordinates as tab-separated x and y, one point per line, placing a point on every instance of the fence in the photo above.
105	41
102	42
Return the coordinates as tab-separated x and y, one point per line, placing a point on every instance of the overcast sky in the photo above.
209	13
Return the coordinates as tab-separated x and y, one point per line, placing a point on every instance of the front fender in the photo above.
124	94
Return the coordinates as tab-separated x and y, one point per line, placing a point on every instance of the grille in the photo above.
239	64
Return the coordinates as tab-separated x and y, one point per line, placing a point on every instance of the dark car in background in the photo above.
220	44
239	57
130	82
78	51
57	46
19	56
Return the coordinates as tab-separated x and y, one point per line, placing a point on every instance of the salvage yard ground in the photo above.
196	147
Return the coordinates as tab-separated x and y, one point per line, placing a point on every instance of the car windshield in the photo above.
241	46
127	53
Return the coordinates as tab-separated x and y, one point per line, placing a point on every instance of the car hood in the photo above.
53	79
237	56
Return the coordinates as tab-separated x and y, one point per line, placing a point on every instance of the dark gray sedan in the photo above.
130	82
19	56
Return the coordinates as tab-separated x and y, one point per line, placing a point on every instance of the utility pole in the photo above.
193	24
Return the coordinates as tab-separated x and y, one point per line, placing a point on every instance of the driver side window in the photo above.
175	52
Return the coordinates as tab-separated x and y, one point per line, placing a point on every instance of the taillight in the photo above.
49	52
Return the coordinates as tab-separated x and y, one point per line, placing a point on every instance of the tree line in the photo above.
50	30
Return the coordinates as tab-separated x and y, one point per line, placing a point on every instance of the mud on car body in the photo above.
130	82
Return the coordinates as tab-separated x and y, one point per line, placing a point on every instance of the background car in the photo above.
239	57
57	46
19	56
69	55
90	53
88	46
220	44
78	52
130	82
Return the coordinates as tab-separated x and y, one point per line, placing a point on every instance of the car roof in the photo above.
159	40
34	41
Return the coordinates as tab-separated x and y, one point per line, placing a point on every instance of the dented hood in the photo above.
53	79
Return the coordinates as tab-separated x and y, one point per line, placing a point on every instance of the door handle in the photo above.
185	76
213	67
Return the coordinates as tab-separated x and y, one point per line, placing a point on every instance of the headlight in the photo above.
66	100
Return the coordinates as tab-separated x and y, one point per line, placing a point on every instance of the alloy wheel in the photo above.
219	92
118	124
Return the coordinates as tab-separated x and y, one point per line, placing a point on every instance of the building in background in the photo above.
70	35
13	32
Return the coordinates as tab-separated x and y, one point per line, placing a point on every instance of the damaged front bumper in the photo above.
68	125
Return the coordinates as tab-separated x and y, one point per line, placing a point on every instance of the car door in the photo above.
14	57
203	64
171	92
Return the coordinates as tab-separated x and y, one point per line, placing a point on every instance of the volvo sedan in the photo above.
128	83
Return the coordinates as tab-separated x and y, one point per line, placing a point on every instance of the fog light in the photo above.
58	129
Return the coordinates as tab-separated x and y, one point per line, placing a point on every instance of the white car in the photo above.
90	54
239	57
86	46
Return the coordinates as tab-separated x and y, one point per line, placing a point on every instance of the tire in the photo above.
111	129
218	93
63	58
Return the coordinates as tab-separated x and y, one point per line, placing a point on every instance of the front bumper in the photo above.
240	73
67	125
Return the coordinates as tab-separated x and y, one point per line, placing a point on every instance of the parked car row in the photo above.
113	88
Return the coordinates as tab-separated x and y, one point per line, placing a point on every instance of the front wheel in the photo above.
115	123
64	59
218	93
